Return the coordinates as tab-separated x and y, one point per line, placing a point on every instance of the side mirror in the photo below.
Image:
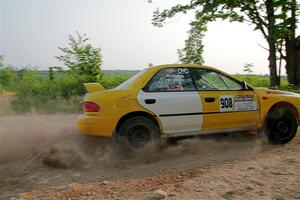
245	85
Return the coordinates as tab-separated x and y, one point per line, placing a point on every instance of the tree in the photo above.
52	71
289	42
1	61
248	68
83	60
7	77
192	52
270	17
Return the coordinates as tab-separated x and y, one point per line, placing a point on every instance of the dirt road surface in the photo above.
44	157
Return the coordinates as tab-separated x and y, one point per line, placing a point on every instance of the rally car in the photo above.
186	100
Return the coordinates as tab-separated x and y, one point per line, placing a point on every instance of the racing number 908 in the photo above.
226	102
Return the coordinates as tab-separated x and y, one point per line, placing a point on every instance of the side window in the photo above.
171	79
206	79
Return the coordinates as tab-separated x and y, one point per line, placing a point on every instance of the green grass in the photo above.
41	105
263	81
45	103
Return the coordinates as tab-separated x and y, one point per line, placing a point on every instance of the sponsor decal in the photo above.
245	102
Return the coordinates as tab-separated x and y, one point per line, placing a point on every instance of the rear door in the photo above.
172	96
226	105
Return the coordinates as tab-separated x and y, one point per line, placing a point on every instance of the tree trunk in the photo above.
292	68
274	79
297	61
291	60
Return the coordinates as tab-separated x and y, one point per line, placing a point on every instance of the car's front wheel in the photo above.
136	132
281	126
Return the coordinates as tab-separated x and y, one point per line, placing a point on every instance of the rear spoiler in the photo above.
93	87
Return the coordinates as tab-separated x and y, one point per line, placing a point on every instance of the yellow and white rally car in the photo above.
185	100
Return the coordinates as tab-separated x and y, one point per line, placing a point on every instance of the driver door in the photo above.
226	105
172	96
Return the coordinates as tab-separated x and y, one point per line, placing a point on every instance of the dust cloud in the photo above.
47	150
55	140
23	136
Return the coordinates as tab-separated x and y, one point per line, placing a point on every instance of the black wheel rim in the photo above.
282	128
138	136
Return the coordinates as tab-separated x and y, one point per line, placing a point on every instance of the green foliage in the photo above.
82	59
119	72
110	82
51	73
259	13
192	52
7	77
260	80
274	19
28	83
1	61
255	80
248	68
35	91
44	104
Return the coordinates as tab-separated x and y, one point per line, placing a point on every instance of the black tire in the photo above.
136	132
281	126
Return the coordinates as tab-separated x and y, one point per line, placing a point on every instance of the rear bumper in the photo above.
96	125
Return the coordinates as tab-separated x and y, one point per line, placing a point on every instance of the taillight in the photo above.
90	107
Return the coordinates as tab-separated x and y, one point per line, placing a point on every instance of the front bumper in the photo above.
96	125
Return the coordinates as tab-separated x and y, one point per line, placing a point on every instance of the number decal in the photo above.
226	103
183	71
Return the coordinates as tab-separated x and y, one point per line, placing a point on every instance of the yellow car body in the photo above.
183	113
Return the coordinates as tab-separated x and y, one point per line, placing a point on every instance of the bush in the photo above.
110	82
255	80
38	93
46	105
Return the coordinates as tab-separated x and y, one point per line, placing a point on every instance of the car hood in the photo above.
275	92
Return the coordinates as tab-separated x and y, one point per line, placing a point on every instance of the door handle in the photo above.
150	101
210	99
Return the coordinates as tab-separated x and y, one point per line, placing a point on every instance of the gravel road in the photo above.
47	156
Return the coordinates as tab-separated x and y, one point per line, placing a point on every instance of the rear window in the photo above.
171	79
127	83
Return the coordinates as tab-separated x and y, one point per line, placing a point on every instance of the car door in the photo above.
172	96
226	104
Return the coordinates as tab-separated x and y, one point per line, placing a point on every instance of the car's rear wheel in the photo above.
281	126
137	132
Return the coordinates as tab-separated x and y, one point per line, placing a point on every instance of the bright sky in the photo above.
31	31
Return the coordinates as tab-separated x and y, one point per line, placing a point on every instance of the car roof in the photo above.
150	71
182	65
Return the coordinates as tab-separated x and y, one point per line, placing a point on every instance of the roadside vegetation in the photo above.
34	92
60	89
56	89
275	20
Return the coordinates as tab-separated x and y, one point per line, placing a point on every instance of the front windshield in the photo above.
127	83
